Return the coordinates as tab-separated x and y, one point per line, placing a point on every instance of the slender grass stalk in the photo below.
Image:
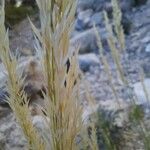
114	51
117	17
17	98
117	45
107	68
112	41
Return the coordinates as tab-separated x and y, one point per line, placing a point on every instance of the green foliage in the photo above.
147	143
136	114
107	131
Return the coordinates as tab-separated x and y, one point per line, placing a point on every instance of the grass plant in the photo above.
62	105
61	98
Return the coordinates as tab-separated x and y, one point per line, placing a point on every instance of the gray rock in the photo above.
40	122
11	135
98	5
96	19
146	69
126	5
85	4
146	40
147	49
88	60
139	91
87	40
83	19
22	39
120	107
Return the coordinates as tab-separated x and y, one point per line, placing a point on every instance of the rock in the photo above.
108	116
11	135
126	5
41	123
139	91
88	111
22	38
97	19
87	41
146	69
2	141
147	49
83	19
98	5
146	40
84	4
88	60
120	107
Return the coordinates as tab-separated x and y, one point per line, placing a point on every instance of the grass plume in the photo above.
17	96
62	105
61	98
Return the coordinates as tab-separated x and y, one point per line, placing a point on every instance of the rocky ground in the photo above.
136	22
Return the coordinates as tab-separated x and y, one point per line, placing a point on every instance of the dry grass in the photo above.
61	98
62	105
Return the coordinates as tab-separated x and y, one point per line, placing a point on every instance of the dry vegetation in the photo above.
60	83
61	98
